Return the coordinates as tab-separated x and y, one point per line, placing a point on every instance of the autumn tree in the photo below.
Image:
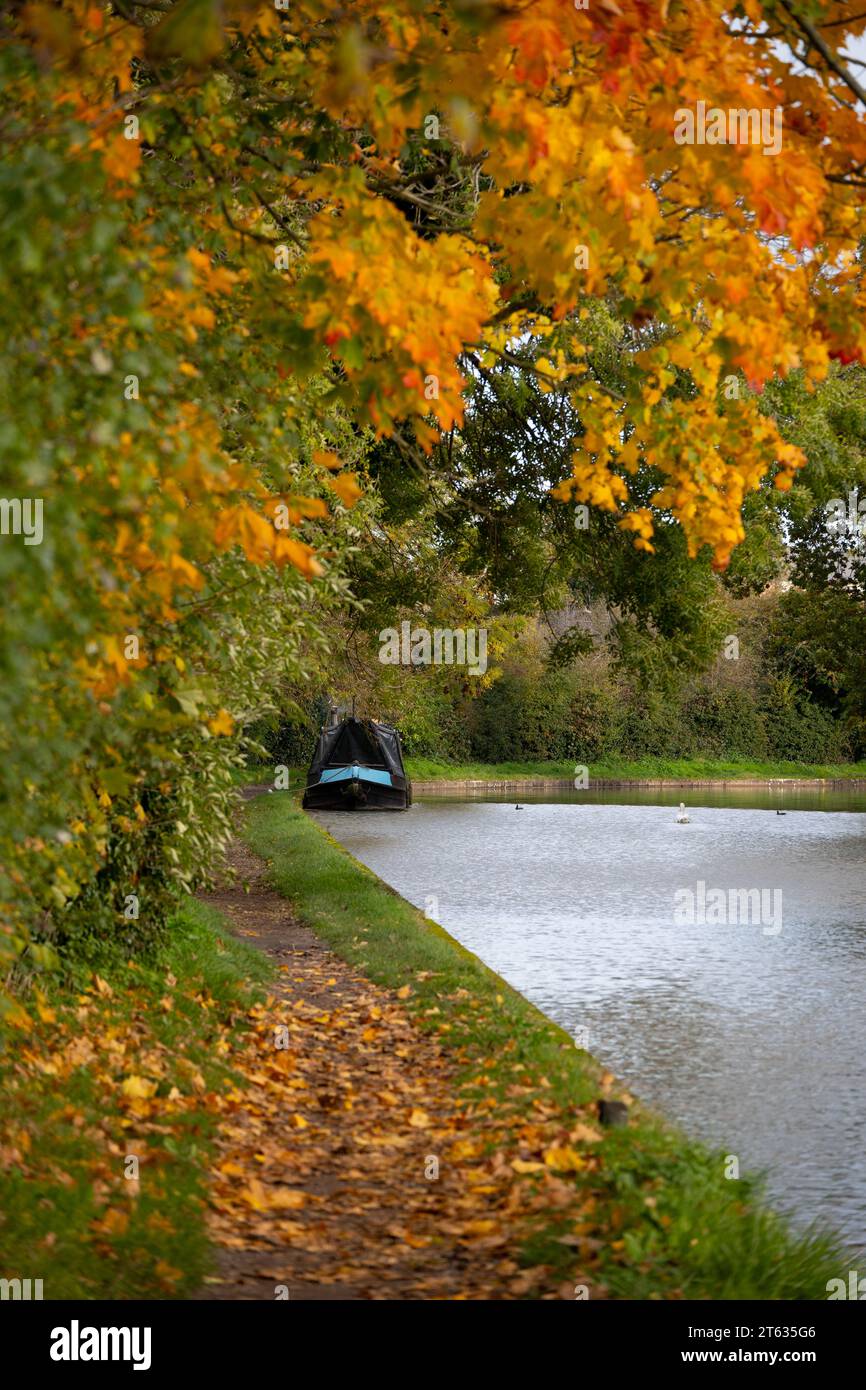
241	240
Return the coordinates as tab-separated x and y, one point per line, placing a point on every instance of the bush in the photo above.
800	731
722	722
652	726
597	717
289	738
534	714
495	719
526	719
434	728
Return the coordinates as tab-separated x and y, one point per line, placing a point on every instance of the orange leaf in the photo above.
346	487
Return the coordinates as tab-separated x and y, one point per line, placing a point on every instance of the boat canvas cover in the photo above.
357	741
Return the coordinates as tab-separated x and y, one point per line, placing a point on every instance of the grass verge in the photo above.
650	1213
121	1065
687	769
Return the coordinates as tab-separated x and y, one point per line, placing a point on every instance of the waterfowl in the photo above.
518	808
780	813
682	816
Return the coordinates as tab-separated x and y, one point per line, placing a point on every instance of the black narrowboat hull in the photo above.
356	792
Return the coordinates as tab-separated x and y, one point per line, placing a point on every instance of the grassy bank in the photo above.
647	1212
115	1066
643	769
614	769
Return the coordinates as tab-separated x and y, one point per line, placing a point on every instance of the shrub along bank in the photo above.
542	715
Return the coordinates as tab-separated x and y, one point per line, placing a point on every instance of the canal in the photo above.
717	967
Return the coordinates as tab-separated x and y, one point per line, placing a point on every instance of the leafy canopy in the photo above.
240	238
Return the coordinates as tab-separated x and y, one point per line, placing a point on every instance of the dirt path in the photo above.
327	1179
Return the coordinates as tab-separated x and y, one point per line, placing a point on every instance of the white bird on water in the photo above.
682	815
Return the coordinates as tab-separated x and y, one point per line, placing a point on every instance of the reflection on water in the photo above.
780	795
751	1041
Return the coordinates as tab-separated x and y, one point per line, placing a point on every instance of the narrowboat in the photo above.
358	766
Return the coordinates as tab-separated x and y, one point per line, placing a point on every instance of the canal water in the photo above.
717	967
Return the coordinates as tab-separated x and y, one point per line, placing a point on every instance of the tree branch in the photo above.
830	57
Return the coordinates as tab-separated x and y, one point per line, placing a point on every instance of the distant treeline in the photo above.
561	717
752	703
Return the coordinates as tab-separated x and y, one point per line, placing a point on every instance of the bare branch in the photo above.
831	58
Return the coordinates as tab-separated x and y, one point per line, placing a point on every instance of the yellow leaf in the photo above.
136	1088
184	572
254	1195
327	459
299	554
346	487
563	1160
585	1134
222	723
463	1149
483	1226
167	1272
285	1199
230	1169
114	1222
45	1013
15	1016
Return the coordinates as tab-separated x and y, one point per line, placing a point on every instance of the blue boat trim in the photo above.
356	773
